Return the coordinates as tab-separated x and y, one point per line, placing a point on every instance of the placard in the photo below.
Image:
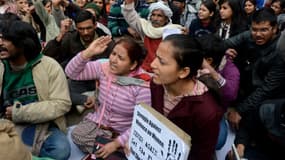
154	137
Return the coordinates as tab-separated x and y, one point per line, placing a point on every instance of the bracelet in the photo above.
221	81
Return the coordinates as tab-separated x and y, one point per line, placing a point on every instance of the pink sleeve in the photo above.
80	69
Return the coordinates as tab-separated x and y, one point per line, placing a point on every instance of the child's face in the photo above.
226	12
204	13
276	6
48	7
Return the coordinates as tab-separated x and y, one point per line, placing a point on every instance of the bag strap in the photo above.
93	156
104	103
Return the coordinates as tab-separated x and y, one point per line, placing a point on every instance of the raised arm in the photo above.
131	16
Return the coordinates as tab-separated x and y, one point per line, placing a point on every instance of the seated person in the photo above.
34	92
182	98
122	85
67	44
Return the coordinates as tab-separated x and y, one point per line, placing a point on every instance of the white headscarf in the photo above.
161	6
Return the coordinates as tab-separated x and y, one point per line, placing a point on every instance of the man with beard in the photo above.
34	92
263	81
67	44
150	30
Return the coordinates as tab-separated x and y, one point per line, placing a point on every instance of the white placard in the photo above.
170	31
154	137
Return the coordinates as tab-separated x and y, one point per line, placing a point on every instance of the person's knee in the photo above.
56	146
223	133
75	136
59	151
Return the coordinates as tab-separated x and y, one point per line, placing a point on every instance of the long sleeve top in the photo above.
199	116
119	100
52	29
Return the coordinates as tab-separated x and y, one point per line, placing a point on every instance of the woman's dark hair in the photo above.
103	11
251	1
265	14
45	2
211	6
135	52
282	4
84	15
238	22
24	37
186	52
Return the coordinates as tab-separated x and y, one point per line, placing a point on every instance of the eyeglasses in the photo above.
260	30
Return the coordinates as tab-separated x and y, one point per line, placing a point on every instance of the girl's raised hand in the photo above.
97	47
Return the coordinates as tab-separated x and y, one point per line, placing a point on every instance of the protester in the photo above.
205	23
117	23
34	91
263	80
67	44
231	22
182	98
122	85
150	30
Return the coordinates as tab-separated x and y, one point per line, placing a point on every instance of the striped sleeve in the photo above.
80	69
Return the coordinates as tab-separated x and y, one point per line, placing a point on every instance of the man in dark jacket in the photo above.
263	73
68	43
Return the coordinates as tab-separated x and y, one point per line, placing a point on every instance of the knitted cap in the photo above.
93	6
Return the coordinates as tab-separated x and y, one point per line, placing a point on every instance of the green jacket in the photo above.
53	100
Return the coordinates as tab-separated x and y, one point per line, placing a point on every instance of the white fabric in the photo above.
156	32
160	5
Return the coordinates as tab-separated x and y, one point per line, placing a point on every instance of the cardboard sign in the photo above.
154	137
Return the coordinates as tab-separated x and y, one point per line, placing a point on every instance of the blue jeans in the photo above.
223	133
56	146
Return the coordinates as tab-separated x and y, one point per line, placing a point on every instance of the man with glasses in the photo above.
262	79
67	44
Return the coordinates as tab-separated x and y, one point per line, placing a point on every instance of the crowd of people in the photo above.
209	66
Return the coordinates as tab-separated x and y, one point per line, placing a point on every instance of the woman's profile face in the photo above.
226	12
164	66
48	7
204	13
120	62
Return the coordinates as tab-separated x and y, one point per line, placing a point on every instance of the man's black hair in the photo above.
24	37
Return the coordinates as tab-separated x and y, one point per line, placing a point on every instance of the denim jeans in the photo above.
56	146
223	133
